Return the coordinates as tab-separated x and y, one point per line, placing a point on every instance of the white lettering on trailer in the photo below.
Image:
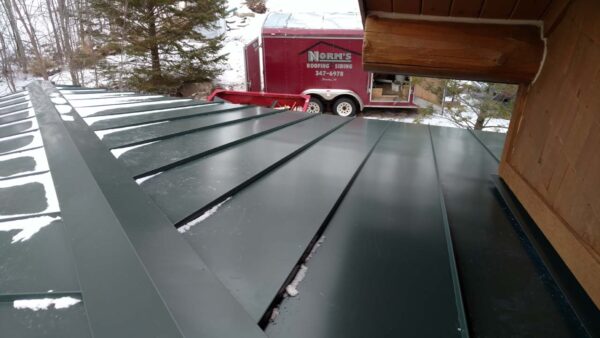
317	65
316	56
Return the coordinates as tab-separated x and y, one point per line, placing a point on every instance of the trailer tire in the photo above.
315	106
345	107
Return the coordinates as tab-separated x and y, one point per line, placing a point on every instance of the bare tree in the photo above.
64	15
53	22
23	14
5	65
19	48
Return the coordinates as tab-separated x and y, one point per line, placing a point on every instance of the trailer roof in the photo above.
313	23
135	215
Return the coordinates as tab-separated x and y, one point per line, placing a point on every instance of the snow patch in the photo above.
292	288
102	133
27	227
117	152
75	97
37	304
68	118
63	108
139	181
30	111
58	100
93	119
111	100
26	97
86	111
35	143
186	227
50	194
38	155
34	124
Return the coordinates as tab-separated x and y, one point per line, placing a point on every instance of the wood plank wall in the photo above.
552	155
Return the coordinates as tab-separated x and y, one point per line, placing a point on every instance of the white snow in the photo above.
102	133
36	142
292	288
34	124
111	100
59	100
46	180
37	304
11	102
92	119
38	155
86	111
145	178
27	227
30	113
186	227
63	108
117	152
67	117
76	97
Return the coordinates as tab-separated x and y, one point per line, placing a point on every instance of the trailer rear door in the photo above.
252	55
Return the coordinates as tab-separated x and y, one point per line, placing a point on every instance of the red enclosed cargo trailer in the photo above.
321	56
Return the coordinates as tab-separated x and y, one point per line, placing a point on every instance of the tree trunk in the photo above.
479	123
64	22
154	52
6	68
53	20
26	21
20	50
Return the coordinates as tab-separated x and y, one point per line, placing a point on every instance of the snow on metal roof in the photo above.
93	192
301	20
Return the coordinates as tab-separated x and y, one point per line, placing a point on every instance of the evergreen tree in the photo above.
164	42
470	104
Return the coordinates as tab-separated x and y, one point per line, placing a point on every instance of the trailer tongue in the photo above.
271	100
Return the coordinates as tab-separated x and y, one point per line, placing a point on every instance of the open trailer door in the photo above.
252	56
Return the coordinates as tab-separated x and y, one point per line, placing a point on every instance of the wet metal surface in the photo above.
201	215
189	188
505	292
153	132
256	238
383	269
137	119
155	157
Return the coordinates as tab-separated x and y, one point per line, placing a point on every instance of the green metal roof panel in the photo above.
49	316
111	261
36	257
154	157
159	116
256	239
385	249
163	130
194	187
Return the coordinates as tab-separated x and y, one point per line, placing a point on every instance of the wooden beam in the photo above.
476	51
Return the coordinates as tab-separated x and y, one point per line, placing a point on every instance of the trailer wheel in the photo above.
344	107
315	106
